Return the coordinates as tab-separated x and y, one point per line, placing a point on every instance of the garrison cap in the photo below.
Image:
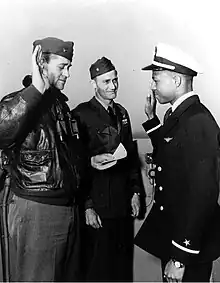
101	66
167	57
56	46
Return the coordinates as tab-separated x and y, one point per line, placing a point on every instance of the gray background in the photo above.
126	31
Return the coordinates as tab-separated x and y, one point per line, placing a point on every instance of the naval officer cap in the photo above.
100	67
53	45
167	57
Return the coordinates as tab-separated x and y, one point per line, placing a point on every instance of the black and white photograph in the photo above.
109	141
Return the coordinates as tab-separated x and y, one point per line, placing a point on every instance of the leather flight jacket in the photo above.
41	142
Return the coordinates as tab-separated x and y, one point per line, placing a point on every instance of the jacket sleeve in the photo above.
133	160
152	128
16	114
87	178
201	152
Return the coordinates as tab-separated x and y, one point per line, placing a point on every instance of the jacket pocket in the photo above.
35	158
37	169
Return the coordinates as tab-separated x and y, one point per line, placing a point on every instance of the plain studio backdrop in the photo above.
125	31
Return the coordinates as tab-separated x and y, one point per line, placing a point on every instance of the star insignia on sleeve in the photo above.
187	242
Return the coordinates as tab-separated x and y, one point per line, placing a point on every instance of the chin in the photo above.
161	101
113	96
60	86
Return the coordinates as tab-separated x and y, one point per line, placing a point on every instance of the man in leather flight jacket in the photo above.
41	142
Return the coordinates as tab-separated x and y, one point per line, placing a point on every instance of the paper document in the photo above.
119	153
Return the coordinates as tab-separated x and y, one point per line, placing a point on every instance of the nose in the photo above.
66	73
112	85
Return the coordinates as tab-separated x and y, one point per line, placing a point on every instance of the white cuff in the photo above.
153	129
185	249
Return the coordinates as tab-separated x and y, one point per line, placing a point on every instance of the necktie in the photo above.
112	116
167	114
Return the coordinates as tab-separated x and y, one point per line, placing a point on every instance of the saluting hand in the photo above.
39	80
150	105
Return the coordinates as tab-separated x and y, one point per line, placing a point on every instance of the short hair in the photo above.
46	56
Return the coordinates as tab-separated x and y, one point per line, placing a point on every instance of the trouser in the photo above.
43	241
200	272
109	251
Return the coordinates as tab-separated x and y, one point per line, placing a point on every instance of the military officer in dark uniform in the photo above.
183	226
115	185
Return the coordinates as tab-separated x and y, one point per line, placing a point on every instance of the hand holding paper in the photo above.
107	160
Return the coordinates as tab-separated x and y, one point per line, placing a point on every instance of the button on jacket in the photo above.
184	221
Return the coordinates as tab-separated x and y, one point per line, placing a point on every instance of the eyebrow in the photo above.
110	79
65	64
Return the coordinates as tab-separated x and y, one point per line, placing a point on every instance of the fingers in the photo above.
36	50
93	219
135	210
105	157
87	220
36	56
38	80
100	159
150	98
150	105
173	274
99	221
135	204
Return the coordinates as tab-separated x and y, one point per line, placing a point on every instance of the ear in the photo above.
94	85
177	79
42	63
43	66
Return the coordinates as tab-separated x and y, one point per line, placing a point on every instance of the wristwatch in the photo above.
177	263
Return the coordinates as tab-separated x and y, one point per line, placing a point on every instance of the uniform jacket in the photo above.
37	135
184	221
111	189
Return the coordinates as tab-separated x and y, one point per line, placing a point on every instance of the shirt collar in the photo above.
103	104
181	99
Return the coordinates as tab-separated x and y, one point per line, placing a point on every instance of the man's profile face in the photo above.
163	86
58	71
107	85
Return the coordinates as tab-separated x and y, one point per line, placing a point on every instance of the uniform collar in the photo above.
174	118
181	99
103	104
